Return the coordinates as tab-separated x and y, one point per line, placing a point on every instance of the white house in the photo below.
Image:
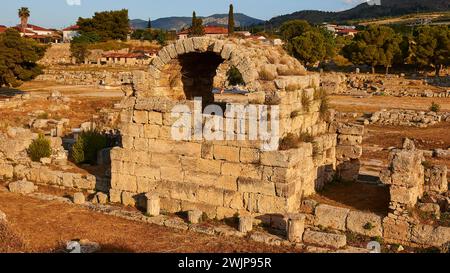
70	33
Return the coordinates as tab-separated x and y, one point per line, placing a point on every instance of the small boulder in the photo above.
78	198
22	187
2	216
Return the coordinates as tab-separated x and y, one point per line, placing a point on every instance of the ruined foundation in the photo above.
221	177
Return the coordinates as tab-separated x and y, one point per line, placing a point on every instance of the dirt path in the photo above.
44	226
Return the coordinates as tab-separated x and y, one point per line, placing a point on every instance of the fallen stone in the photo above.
22	187
324	239
195	216
78	198
363	223
331	217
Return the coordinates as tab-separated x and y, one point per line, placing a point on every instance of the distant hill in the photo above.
387	8
178	23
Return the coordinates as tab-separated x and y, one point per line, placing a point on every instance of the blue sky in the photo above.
58	13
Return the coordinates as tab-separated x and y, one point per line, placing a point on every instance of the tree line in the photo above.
375	45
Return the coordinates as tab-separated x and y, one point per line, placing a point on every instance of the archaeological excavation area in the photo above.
290	160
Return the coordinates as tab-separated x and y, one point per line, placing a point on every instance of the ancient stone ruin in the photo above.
226	177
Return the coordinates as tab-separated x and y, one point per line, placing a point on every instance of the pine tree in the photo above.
231	20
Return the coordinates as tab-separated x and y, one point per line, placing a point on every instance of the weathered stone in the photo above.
195	216
363	223
331	217
153	204
22	187
78	198
245	224
295	227
324	239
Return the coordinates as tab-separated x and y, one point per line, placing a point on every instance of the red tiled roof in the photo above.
34	27
210	30
74	27
2	28
347	30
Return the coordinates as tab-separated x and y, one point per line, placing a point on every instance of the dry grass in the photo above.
266	75
292	141
306	102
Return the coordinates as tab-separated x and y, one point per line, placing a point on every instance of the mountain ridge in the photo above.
178	22
365	11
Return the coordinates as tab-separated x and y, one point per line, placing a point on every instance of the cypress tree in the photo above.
231	20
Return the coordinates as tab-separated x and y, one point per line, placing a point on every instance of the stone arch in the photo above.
169	72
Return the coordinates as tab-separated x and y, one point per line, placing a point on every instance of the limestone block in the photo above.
351	129
331	217
430	236
172	51
78	198
128	199
408	196
226	51
324	239
151	131
171	174
115	196
227	153
248	155
349	140
179	46
155	118
348	151
140	117
188	45
195	216
363	223
22	187
100	198
227	182
436	179
210	195
396	230
255	186
153	204
6	170
295	227
234	200
233	169
245	224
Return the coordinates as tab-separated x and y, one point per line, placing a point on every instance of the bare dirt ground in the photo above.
42	226
376	103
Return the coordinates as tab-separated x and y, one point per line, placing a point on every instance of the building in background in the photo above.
210	31
69	33
39	34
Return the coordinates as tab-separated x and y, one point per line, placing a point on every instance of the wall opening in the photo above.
198	71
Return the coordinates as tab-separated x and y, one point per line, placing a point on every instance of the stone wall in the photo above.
15	163
349	150
410	181
408	118
221	178
86	77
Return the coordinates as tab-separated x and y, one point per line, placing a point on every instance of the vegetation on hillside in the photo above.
103	27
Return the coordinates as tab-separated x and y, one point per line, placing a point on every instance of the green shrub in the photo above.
368	226
87	146
235	76
39	148
435	107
